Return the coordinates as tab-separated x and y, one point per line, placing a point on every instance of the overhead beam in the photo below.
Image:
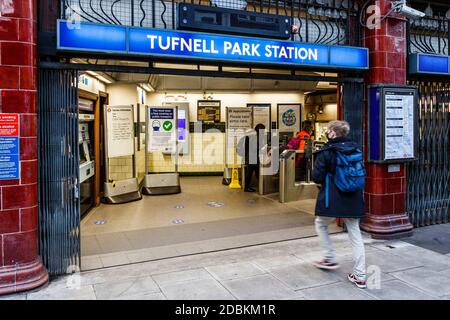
199	73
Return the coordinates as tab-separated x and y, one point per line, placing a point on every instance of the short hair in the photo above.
307	126
342	128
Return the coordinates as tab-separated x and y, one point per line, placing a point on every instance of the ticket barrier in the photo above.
269	175
291	190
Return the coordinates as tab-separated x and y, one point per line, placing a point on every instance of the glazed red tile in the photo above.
399	203
15	53
28	78
9	221
18	101
28	125
9	77
20	247
28	148
9	29
19	9
29	172
29	219
26	29
396	28
377	59
394	60
393	185
11	182
381	204
23	196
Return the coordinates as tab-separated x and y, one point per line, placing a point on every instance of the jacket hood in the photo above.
343	145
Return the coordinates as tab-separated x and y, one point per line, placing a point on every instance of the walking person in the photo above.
339	169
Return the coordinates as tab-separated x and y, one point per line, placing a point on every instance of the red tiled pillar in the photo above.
385	191
20	266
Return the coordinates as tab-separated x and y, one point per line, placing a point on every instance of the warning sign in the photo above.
9	146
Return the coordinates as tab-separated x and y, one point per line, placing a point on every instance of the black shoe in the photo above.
249	190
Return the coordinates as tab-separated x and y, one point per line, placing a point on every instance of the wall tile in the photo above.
9	221
20	247
23	196
28	219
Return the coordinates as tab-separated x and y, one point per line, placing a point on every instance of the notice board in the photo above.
162	129
120	130
9	146
393	123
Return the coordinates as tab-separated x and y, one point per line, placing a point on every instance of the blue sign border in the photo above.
119	41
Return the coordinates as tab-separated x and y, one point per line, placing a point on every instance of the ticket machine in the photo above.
87	161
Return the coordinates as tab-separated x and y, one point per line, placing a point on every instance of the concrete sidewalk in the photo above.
396	270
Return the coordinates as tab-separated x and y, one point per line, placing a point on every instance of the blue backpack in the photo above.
350	173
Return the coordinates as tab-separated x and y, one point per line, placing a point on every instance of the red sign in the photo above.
9	124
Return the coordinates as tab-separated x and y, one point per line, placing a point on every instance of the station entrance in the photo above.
205	215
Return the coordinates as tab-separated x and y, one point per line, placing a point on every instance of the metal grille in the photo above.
318	21
428	179
431	33
59	207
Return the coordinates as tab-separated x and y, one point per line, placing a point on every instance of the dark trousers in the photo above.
249	170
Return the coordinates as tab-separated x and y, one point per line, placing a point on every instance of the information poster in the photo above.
120	131
399	125
162	130
239	118
9	146
289	118
261	114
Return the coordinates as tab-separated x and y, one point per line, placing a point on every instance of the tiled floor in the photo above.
144	230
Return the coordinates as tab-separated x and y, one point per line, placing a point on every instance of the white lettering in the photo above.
246	49
197	45
283	52
303	53
255	48
152	40
227	46
175	43
313	54
236	49
268	53
161	45
186	45
213	49
205	47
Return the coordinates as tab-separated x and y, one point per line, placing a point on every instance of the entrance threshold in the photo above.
99	261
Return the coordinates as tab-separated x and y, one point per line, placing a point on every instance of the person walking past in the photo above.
339	169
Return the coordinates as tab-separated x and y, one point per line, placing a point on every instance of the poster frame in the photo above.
377	121
300	117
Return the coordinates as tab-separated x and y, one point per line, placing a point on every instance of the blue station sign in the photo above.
88	37
421	63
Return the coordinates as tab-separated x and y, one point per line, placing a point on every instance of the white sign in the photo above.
261	115
120	130
239	118
162	132
289	118
399	125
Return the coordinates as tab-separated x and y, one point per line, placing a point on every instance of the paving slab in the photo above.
304	275
91	262
150	296
427	280
398	290
234	270
117	289
260	287
336	291
81	293
181	276
114	259
277	261
203	289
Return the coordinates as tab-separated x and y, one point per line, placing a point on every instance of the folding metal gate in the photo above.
59	207
428	179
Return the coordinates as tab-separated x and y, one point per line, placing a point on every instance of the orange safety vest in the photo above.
301	146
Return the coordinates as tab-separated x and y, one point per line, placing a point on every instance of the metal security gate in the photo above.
59	207
428	179
352	100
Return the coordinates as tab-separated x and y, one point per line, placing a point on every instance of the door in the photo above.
58	156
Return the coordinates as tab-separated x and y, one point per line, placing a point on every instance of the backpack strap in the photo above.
327	190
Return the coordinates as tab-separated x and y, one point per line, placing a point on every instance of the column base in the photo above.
387	227
24	277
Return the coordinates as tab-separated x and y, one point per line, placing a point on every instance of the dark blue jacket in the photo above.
341	204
